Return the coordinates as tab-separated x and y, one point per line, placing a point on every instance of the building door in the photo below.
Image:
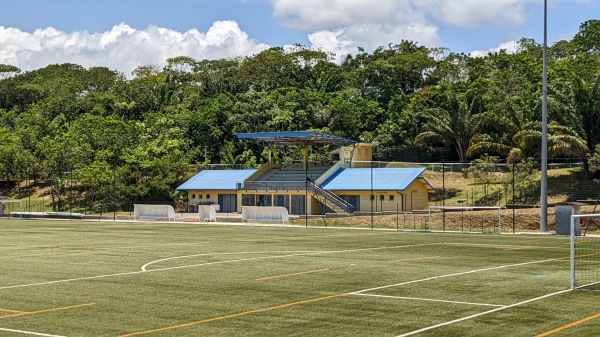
282	200
298	205
228	202
353	200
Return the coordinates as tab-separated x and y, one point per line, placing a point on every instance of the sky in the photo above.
125	34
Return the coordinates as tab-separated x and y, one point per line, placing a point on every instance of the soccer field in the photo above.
72	278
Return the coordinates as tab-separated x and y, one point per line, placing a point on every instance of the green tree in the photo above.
452	124
484	172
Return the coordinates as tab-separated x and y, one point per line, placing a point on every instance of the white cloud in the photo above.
340	26
345	41
474	13
123	47
511	47
326	15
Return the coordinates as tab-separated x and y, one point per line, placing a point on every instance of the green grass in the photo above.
214	287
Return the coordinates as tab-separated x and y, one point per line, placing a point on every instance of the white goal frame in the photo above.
3	203
576	219
465	208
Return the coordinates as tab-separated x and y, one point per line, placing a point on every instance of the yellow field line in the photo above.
25	313
417	258
234	315
294	274
570	325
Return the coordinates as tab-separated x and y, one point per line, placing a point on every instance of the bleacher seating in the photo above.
292	174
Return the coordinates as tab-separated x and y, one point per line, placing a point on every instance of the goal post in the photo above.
584	252
7	207
465	218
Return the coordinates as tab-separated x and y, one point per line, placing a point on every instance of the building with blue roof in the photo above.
216	187
341	187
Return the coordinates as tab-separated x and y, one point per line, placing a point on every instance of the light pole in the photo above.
544	155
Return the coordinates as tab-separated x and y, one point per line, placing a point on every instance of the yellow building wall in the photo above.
206	196
412	198
362	152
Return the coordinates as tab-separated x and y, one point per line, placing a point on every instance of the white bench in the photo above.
207	213
142	211
265	214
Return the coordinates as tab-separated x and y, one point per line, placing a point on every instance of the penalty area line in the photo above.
483	313
431	300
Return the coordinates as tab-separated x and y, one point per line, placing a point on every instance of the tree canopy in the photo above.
149	128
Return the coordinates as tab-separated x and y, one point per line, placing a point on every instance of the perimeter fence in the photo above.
513	187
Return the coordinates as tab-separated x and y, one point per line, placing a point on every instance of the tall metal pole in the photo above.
372	196
115	191
544	156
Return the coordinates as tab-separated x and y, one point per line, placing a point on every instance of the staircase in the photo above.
289	179
329	199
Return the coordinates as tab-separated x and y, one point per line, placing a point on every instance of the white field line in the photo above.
431	300
455	274
144	267
272	257
29	332
460	244
482	313
203	264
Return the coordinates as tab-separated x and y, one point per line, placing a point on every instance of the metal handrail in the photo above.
329	196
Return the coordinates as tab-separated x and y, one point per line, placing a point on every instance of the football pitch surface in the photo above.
75	278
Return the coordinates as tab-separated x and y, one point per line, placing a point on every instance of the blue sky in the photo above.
125	34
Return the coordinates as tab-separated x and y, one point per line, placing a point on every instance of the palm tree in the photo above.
562	142
581	103
452	125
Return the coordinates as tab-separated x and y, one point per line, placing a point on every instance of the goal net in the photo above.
474	219
11	207
585	251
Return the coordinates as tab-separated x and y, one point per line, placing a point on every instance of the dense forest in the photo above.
146	129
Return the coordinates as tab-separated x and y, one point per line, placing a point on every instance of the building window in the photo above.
264	200
248	200
372	197
382	197
208	196
391	197
193	196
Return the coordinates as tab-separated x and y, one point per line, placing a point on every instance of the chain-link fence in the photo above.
513	187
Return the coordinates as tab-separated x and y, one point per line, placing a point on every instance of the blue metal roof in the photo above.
384	179
216	180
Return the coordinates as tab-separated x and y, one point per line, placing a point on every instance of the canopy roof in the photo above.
297	138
